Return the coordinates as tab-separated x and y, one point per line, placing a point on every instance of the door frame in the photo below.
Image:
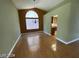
53	29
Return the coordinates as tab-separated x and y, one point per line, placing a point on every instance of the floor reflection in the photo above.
39	44
33	43
53	47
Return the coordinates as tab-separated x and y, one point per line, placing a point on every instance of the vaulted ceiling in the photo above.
41	4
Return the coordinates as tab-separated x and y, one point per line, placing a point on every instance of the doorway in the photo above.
54	24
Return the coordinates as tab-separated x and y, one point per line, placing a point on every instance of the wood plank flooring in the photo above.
40	45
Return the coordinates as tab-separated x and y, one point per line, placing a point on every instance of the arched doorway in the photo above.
32	20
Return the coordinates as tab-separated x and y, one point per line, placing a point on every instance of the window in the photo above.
32	20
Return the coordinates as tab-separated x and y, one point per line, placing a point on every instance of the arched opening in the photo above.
32	20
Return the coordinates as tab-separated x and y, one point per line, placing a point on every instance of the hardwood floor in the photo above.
40	45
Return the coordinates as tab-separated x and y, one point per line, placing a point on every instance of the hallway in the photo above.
14	22
40	45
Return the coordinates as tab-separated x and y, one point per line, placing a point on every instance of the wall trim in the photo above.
61	40
14	46
72	41
47	33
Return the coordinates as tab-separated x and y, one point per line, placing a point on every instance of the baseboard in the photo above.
14	46
72	41
47	33
56	38
61	40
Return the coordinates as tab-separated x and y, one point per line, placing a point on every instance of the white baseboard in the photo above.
61	40
47	33
14	46
74	40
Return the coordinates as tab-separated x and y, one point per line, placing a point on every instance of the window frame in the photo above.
32	18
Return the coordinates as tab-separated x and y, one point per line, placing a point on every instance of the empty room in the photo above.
39	28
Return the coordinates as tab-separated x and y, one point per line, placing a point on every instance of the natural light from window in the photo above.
32	21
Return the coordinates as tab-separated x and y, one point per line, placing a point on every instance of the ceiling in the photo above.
41	4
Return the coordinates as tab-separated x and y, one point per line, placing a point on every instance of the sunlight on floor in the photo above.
53	47
33	43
